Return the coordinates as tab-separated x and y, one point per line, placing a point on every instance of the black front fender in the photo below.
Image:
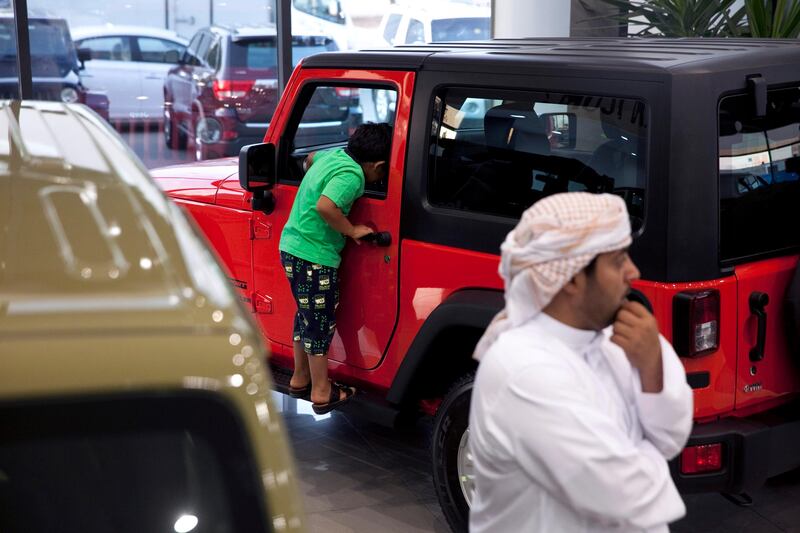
471	308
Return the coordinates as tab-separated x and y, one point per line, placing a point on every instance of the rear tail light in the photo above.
701	459
229	89
695	322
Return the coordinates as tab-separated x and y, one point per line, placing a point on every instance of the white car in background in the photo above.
440	21
130	64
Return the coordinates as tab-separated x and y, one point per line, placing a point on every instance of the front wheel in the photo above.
174	138
453	469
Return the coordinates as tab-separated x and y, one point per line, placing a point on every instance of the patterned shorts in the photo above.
316	292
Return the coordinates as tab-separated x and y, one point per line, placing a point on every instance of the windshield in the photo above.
127	465
461	29
263	54
52	50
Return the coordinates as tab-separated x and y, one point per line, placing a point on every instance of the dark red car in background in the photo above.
224	90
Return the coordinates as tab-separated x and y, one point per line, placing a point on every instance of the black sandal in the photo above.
335	400
301	393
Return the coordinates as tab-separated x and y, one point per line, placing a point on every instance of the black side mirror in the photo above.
257	174
84	54
561	129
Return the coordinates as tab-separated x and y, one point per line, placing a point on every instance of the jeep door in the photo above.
759	167
324	109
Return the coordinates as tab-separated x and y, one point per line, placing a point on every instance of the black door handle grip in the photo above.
758	302
379	238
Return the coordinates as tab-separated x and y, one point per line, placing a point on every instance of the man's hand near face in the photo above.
636	332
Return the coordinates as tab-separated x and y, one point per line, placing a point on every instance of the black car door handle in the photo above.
379	238
758	301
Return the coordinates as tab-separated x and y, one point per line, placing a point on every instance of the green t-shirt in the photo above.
306	235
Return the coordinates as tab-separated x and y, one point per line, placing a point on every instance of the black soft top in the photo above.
653	55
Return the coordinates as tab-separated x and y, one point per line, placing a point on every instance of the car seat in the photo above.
618	157
514	133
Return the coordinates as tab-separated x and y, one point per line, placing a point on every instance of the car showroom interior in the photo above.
294	265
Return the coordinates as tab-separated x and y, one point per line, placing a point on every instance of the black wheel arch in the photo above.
454	327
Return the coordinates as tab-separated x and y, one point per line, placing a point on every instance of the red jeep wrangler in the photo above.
700	137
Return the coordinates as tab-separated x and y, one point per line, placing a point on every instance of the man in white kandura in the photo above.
578	402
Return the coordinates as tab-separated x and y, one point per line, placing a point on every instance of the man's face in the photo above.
607	286
374	171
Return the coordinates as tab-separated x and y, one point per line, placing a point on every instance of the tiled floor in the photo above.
359	477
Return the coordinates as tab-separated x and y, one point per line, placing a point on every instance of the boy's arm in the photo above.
334	217
308	161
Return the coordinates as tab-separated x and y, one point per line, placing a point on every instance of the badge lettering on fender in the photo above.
753	387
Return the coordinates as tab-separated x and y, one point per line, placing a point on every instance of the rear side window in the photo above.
263	54
154	50
461	29
115	48
127	465
392	23
497	152
415	33
52	50
759	175
330	10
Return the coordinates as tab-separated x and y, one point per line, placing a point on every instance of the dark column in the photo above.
284	25
23	49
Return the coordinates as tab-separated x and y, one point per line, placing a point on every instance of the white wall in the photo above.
531	18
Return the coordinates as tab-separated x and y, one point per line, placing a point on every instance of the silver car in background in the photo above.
129	63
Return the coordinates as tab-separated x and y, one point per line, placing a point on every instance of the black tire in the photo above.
452	421
174	137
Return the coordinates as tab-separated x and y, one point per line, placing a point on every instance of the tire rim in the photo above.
466	468
167	124
198	144
381	105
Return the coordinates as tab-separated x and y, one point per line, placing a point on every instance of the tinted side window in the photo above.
759	175
415	33
498	152
330	10
190	58
202	48
154	50
392	23
110	48
212	56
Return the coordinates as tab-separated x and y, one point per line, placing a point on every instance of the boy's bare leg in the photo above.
301	376
320	386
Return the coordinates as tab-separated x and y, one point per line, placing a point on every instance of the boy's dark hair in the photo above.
370	143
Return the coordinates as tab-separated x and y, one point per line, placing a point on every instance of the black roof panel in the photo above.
673	54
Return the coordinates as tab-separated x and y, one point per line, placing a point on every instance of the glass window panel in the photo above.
154	50
497	152
759	175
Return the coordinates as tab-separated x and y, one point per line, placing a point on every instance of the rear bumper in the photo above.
753	449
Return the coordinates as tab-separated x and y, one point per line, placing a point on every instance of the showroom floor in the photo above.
360	477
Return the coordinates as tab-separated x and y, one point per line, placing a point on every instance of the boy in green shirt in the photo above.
311	243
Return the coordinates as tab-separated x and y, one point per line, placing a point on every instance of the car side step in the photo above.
364	405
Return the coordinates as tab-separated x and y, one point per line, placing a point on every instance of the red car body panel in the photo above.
774	376
197	183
